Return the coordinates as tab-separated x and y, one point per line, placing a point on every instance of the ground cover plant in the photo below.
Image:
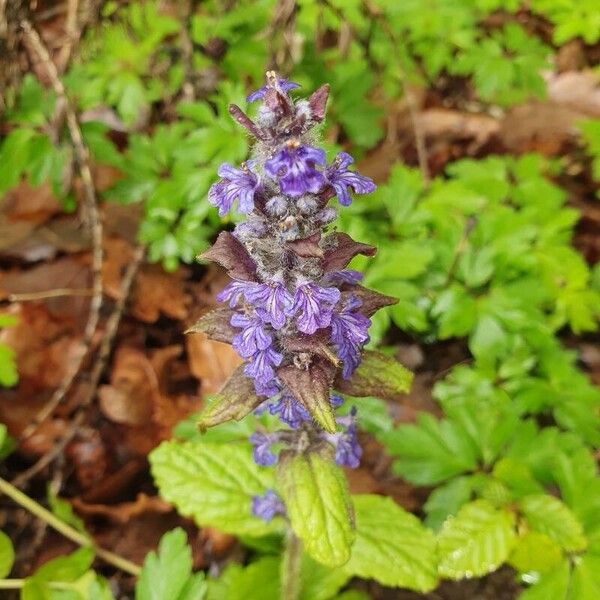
328	333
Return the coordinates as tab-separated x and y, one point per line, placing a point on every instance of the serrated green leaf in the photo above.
7	555
392	546
476	541
535	552
167	575
213	483
315	493
257	581
431	451
549	515
552	586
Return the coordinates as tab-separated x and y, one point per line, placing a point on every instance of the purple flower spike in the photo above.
253	338
268	506
294	167
283	84
240	184
289	411
349	333
260	368
342	179
315	304
232	292
272	302
261	448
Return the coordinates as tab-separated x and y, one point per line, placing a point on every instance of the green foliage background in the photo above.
482	253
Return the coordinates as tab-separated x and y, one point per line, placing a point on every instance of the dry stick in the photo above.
91	207
55	293
69	532
72	32
112	325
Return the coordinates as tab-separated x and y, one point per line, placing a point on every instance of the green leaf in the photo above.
554	585
257	581
392	546
378	375
8	366
64	511
7	555
168	574
535	552
447	499
549	515
319	582
315	493
476	541
431	451
213	483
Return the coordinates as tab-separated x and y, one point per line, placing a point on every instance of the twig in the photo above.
112	325
56	293
91	206
69	532
72	32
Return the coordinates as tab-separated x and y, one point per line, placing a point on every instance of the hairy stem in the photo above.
69	532
290	568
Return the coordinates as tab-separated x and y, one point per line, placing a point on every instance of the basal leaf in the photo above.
213	483
476	541
549	515
392	546
167	575
315	493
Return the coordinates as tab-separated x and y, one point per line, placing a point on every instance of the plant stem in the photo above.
290	568
11	584
69	532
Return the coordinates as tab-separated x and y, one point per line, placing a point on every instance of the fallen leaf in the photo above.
124	511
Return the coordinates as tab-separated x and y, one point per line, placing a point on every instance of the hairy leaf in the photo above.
236	399
377	375
315	493
213	483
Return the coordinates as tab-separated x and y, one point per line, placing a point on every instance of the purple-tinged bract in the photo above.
283	84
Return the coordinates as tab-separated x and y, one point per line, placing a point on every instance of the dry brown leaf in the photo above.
27	203
211	362
125	511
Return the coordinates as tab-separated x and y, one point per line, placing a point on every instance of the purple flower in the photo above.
272	302
294	166
341	179
261	448
232	292
341	277
267	506
235	184
347	449
260	368
349	333
253	337
283	84
315	304
290	411
336	401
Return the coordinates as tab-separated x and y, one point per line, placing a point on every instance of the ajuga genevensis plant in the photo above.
294	312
